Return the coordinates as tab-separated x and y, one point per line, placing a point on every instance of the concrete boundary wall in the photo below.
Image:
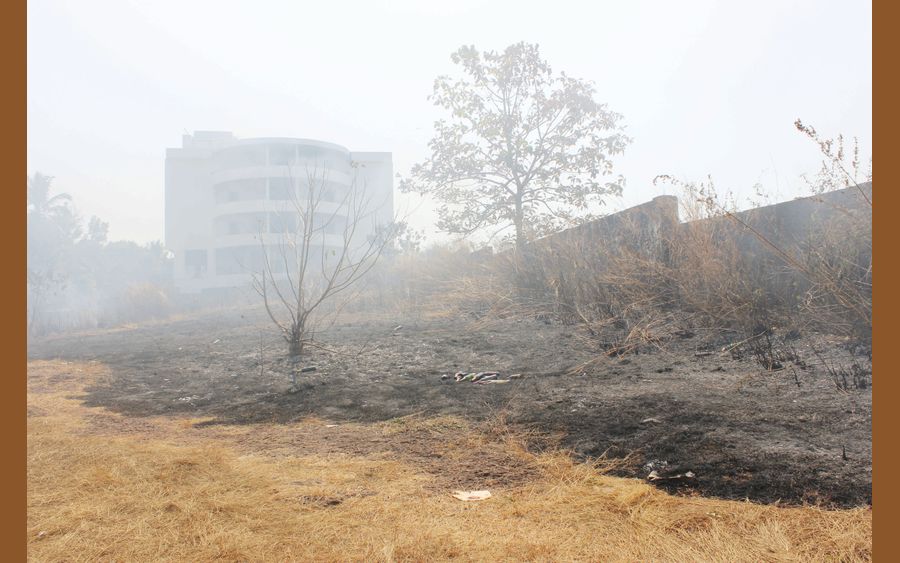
770	247
785	225
797	222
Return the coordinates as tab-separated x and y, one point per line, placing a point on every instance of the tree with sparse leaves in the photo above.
521	148
325	244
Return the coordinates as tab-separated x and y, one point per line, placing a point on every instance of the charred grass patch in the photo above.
720	413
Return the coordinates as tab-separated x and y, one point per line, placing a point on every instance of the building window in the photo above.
253	189
195	263
337	226
331	224
240	224
280	189
282	223
239	260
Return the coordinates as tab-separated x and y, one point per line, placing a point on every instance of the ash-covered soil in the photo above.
791	435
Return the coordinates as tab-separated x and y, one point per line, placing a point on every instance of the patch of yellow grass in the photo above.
416	422
122	498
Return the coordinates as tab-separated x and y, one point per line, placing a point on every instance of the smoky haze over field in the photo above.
398	280
210	147
704	87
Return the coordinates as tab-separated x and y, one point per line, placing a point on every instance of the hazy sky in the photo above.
705	87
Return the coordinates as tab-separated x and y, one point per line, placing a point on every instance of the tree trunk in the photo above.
523	259
519	220
520	237
295	351
295	344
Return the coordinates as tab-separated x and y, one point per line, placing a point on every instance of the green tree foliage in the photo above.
70	268
52	230
522	147
40	202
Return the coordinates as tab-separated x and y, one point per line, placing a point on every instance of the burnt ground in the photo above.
790	435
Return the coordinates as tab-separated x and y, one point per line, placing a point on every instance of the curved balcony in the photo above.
273	206
271	240
298	172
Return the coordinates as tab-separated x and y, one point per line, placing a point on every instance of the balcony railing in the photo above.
298	172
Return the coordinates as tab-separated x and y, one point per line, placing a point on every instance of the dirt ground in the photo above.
790	435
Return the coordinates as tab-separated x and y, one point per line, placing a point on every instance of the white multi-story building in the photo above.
228	198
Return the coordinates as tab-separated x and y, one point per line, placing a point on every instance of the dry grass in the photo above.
164	492
642	278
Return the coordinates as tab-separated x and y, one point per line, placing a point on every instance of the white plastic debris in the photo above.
471	495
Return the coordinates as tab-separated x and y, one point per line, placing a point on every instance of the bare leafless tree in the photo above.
314	251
